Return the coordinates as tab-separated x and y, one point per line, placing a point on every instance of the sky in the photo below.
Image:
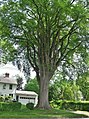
13	71
9	68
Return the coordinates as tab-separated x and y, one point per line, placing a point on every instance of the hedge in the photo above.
73	105
0	106
55	103
70	105
30	106
9	106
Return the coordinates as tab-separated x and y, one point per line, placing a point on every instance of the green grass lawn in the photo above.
26	113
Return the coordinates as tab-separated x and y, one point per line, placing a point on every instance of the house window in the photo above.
4	86
10	86
17	98
24	98
11	95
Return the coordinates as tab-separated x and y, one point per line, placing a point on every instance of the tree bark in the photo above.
43	102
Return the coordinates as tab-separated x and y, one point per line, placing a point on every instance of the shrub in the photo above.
69	105
64	105
72	105
53	104
8	99
16	105
5	98
30	106
0	106
9	106
85	106
5	106
1	99
79	106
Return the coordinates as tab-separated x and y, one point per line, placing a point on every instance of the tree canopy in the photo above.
46	33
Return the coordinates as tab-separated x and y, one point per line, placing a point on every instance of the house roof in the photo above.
7	80
19	92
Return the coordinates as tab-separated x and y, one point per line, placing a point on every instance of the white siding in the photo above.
7	91
26	99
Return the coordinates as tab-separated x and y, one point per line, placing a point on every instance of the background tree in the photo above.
32	85
46	32
64	89
19	82
83	83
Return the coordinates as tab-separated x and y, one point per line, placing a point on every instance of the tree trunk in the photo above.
43	102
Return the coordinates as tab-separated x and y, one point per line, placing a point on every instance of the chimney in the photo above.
6	74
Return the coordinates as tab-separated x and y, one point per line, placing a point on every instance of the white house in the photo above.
8	88
26	96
